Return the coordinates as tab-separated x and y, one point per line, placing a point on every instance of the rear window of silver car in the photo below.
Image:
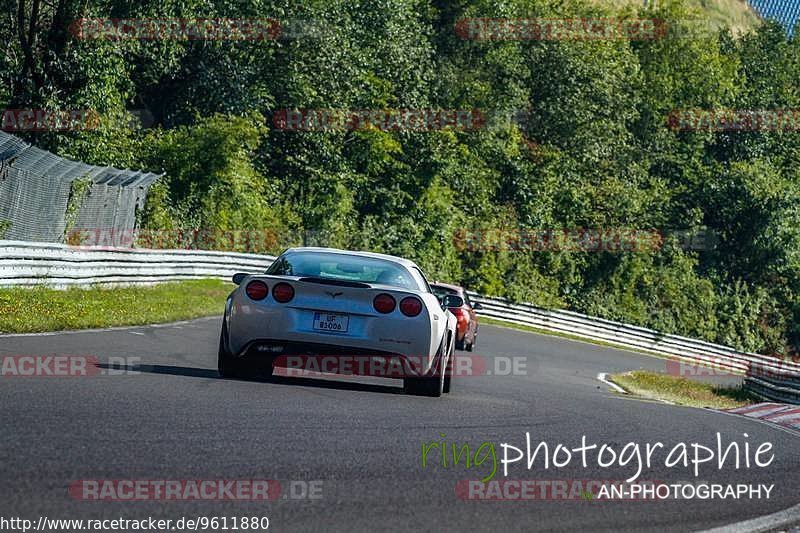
344	267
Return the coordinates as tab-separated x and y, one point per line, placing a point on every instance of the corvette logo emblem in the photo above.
333	294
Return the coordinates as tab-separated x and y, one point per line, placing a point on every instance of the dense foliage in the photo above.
590	149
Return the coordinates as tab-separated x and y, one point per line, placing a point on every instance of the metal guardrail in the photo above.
26	263
767	377
782	386
60	265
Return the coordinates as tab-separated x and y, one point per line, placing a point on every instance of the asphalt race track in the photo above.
167	416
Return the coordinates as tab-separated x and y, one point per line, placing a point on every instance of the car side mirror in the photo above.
477	306
452	300
238	278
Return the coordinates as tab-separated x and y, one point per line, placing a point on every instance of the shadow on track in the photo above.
209	373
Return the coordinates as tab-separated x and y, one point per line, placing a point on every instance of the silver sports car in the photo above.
370	310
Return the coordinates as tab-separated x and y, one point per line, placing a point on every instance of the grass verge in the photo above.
37	309
682	391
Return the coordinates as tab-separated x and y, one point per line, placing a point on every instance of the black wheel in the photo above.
448	376
474	341
428	386
433	385
263	367
227	365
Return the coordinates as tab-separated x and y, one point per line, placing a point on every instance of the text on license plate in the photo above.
331	322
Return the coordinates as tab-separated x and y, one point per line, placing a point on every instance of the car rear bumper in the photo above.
338	359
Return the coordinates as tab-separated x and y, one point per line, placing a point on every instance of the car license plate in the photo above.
331	322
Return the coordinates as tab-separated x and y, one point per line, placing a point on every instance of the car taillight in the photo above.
384	303
257	290
282	292
410	306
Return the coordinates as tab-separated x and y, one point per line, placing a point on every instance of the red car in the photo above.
467	326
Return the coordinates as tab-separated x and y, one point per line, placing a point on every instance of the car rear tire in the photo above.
432	386
228	366
448	377
428	386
